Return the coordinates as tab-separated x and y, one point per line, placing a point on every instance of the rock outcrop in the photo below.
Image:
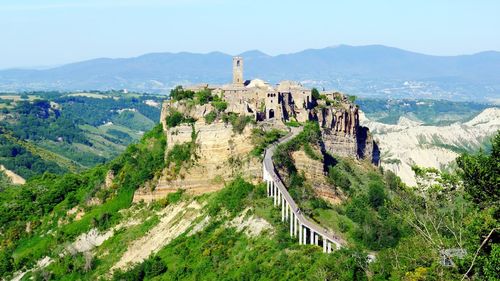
342	134
314	172
220	155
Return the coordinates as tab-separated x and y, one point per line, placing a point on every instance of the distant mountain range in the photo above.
370	71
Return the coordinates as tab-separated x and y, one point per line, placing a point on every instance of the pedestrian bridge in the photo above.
306	231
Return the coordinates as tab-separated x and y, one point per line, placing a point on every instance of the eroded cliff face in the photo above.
342	134
219	155
315	174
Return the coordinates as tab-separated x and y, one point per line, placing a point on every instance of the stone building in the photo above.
290	101
286	101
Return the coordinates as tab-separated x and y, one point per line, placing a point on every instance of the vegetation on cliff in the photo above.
225	253
261	139
181	155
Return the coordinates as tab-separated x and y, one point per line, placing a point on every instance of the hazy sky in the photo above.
42	32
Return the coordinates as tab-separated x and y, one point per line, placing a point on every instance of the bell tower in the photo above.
238	71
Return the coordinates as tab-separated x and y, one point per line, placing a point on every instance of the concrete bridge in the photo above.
306	231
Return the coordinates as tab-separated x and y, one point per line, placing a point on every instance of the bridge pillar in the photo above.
296	222
300	234
305	236
279	196
329	247
275	196
316	239
312	236
324	244
291	224
283	207
286	210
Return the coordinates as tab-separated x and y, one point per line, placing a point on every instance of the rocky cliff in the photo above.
219	155
342	134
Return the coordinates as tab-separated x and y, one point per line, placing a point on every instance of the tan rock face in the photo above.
15	178
342	134
221	155
108	181
315	175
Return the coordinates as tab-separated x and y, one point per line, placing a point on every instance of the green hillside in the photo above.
404	229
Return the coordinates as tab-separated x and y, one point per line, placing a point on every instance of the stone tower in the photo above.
238	71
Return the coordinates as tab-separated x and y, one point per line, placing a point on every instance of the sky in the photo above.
43	33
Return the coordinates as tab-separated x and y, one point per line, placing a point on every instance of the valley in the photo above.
59	132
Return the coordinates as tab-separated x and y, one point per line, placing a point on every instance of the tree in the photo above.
315	94
376	194
480	173
203	96
174	119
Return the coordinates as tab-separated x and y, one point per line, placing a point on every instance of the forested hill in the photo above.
60	132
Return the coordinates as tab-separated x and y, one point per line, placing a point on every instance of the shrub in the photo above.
174	119
150	268
310	152
210	117
293	123
338	178
231	197
203	97
315	93
376	194
179	154
238	122
220	106
175	197
261	139
179	93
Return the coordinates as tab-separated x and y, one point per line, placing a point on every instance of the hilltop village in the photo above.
218	154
